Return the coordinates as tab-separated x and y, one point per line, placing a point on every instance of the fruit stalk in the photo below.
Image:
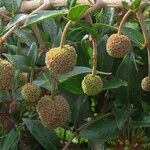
53	80
64	34
94	57
140	17
123	21
31	77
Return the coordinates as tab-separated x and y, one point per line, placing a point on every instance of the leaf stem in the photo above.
140	17
123	21
64	34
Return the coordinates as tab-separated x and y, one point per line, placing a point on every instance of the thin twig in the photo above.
94	57
74	135
7	34
123	21
64	34
140	17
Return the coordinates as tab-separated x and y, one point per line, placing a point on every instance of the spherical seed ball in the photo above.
146	84
31	93
23	79
53	113
118	45
92	84
6	75
61	60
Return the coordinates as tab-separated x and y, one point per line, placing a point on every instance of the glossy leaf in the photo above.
10	142
76	12
77	71
19	61
102	128
127	71
42	15
113	84
46	137
32	55
12	5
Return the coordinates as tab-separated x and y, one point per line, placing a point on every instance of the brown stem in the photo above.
123	21
45	5
75	134
7	34
53	83
140	17
40	40
31	76
64	34
94	57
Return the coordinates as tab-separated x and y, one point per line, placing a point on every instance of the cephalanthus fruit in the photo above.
61	60
146	84
6	75
118	45
53	113
31	93
92	84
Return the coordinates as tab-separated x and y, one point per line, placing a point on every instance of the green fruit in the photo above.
61	60
6	75
92	84
23	79
53	113
146	84
118	46
31	93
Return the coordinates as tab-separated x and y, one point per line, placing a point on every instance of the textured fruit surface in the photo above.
92	84
118	46
146	84
23	79
61	61
31	93
6	75
53	113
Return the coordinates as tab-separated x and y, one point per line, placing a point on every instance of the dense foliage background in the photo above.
115	118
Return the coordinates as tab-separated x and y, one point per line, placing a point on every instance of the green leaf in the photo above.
46	137
143	120
10	142
103	59
113	84
73	84
102	128
19	61
126	5
32	55
135	4
76	12
79	70
12	5
71	3
50	28
145	107
42	15
25	36
121	115
88	28
134	35
127	71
